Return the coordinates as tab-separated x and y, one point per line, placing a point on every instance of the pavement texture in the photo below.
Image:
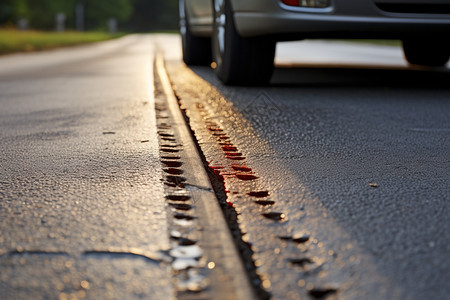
338	173
333	179
82	210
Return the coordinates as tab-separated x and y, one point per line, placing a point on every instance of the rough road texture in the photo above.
82	209
357	160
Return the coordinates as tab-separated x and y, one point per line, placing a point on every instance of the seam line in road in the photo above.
228	278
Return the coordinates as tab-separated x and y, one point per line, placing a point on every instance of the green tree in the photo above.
13	10
43	12
98	12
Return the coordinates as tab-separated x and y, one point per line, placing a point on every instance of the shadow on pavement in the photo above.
356	76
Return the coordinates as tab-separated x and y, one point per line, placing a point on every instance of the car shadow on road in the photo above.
359	76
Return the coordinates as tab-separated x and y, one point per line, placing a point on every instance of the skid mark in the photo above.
265	202
322	293
276	216
298	240
172	164
173	171
259	194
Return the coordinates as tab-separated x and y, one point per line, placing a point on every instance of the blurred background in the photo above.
89	15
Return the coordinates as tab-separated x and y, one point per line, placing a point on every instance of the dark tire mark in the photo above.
321	293
276	216
298	240
172	164
173	171
181	206
259	194
235	157
169	150
163	134
265	202
184	217
178	197
301	262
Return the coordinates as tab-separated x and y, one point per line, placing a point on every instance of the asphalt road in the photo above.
335	176
82	211
353	148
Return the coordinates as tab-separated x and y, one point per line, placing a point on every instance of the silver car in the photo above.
238	37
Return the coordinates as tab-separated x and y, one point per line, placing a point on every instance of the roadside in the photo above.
12	41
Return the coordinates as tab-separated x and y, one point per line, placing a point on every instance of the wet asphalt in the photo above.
349	150
353	148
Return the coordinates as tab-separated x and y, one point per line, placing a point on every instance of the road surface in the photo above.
350	148
333	179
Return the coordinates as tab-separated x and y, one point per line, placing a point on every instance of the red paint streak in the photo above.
235	157
241	168
230	203
229	148
213	128
259	194
233	154
246	176
224	137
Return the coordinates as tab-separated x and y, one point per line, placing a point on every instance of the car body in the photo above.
239	28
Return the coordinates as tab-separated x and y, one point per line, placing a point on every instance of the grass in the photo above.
26	41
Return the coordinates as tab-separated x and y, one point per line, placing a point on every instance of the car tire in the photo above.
196	50
426	52
239	60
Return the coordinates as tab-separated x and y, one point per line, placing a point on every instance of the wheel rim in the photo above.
220	23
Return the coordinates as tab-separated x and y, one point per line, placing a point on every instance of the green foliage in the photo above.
12	10
134	15
99	12
41	13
